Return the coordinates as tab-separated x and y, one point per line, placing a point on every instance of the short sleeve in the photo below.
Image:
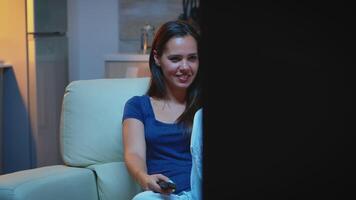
133	109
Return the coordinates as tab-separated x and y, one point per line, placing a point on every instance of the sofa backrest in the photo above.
90	131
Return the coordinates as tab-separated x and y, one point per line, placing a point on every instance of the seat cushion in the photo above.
91	119
114	181
51	183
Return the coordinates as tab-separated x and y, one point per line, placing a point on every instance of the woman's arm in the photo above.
135	155
134	148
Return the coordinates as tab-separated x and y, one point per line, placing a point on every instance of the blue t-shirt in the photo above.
167	145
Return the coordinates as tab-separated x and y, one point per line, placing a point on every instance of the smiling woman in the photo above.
157	126
180	61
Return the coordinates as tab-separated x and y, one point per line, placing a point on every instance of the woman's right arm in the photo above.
135	155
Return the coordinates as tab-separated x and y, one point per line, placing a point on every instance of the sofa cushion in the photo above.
114	181
91	119
51	183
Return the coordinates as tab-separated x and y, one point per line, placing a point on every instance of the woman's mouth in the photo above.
183	78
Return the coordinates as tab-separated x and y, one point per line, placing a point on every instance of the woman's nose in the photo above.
184	64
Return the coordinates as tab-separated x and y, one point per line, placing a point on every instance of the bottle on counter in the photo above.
147	34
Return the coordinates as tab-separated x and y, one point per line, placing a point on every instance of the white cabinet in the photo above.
126	66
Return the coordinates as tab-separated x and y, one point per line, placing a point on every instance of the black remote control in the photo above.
167	185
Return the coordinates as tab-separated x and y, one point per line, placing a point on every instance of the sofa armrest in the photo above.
51	183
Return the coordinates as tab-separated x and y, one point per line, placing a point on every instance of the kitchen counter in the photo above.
126	57
5	65
124	65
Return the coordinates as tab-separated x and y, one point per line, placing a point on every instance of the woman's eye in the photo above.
174	59
192	58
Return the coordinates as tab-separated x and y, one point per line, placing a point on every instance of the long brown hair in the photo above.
157	86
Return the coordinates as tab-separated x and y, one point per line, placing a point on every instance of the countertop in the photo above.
5	65
126	57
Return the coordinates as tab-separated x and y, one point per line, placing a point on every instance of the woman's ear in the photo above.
155	56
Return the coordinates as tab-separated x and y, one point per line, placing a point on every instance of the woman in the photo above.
157	125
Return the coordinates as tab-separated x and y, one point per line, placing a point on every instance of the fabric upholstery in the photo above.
114	181
91	119
51	183
91	147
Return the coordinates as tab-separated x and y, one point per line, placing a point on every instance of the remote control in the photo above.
167	185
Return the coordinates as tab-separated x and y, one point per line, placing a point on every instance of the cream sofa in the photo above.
91	148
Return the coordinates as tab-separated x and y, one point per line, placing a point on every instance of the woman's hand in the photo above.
150	182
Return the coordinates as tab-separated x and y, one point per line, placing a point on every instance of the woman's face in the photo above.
179	62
